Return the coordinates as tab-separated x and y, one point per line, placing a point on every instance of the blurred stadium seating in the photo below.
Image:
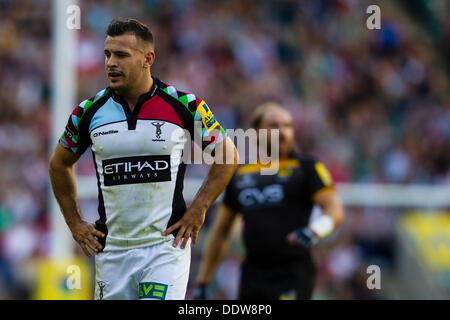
373	105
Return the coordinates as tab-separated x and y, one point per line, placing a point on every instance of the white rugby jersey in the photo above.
138	158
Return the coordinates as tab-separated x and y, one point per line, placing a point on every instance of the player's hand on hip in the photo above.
303	237
189	226
85	235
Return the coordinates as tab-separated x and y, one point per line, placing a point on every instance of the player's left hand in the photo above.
304	237
189	226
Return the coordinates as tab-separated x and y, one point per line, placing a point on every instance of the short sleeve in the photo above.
318	179
73	138
205	130
207	127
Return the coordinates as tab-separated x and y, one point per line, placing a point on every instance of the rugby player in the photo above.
277	231
137	128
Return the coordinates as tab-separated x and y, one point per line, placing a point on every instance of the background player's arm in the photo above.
218	177
216	244
64	187
322	226
331	206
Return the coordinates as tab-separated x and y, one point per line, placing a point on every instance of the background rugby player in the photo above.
276	211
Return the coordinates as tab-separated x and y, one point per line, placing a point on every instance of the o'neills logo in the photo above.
102	133
139	169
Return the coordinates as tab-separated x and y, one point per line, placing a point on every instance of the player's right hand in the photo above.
84	234
201	292
303	237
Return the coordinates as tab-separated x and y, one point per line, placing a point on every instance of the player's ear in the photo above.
149	58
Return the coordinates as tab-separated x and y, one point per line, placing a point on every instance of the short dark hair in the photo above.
118	27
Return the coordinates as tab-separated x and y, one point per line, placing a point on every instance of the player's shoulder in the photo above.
98	98
190	100
308	162
313	165
79	112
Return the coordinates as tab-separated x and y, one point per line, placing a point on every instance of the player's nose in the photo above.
111	63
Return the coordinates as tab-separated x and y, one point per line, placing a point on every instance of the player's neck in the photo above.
132	96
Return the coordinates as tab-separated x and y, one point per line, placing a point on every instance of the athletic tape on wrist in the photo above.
322	225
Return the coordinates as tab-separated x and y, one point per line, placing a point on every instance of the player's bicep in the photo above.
225	152
325	198
75	137
328	201
319	181
63	157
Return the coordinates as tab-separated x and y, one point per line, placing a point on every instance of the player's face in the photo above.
281	120
124	62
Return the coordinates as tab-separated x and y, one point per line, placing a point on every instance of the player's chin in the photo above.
116	85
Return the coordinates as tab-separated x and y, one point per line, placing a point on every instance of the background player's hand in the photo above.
304	237
201	292
189	226
85	235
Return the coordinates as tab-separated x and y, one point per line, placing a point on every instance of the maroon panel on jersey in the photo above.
158	109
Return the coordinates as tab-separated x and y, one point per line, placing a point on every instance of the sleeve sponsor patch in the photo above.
208	119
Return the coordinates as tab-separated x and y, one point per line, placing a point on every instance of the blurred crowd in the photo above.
373	105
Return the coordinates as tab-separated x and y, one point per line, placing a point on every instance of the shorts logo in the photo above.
101	286
152	290
158	126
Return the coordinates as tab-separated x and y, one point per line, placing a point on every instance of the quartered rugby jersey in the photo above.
138	157
272	206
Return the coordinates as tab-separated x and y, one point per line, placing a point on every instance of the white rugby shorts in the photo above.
155	272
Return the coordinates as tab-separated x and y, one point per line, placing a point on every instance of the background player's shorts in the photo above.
154	272
284	282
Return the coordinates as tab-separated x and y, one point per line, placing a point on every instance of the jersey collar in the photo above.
133	115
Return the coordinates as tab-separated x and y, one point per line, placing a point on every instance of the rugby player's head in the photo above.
271	115
129	53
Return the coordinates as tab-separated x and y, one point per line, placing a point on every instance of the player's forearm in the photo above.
218	177
331	218
215	183
64	189
334	210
